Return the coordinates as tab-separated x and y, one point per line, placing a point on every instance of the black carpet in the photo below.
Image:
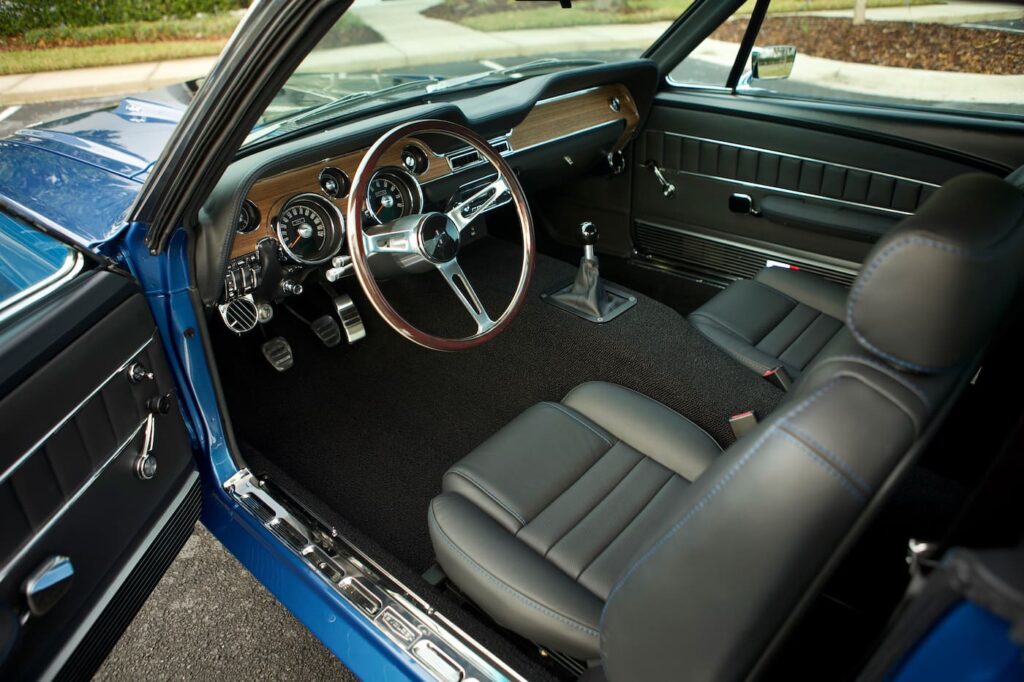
371	428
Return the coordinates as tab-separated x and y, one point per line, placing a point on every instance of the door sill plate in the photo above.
443	651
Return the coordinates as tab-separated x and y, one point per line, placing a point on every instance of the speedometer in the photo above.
310	229
392	194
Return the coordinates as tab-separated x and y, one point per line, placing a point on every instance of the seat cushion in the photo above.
781	317
538	522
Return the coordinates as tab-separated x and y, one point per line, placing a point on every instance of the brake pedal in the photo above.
350	318
278	353
327	330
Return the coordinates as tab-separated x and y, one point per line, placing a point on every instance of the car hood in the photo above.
84	172
125	139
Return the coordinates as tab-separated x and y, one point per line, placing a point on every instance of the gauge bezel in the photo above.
336	238
406	177
254	212
345	181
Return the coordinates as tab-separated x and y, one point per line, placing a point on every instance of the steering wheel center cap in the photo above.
439	238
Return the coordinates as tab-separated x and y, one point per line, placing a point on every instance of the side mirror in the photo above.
773	62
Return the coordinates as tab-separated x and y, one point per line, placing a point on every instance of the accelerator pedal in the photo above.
327	330
278	353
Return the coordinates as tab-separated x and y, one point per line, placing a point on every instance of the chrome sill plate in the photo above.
442	650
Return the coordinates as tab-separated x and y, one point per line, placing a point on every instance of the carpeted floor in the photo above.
371	428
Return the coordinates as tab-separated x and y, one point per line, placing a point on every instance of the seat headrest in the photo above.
933	290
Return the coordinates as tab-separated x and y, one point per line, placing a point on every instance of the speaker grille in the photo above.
721	260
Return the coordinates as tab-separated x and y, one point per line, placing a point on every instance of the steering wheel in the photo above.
435	238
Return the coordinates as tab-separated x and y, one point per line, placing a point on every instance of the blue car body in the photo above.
83	174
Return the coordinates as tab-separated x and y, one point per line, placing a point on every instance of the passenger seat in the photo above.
781	318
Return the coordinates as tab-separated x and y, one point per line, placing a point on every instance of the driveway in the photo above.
209	619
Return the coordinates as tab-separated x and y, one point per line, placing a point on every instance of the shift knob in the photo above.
588	233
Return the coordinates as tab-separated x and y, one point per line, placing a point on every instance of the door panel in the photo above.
73	424
826	185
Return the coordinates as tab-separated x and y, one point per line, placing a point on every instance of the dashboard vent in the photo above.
464	158
240	315
460	160
724	260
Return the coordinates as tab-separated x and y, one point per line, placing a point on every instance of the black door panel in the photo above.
73	427
824	185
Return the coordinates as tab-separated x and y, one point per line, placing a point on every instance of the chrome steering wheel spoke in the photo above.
397	237
484	198
457	280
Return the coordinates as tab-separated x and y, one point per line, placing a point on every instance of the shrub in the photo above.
19	16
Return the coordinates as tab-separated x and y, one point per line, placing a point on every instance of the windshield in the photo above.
392	50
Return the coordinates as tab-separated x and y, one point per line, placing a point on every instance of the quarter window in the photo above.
29	260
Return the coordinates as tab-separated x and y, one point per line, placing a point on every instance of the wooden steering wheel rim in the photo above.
357	246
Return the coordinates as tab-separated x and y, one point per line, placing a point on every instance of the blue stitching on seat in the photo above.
708	496
898	378
827	466
839	462
870	270
506	587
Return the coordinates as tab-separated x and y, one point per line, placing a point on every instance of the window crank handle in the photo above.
667	188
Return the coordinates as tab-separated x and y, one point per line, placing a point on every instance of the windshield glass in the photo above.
390	50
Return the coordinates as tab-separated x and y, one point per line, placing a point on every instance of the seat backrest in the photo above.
769	518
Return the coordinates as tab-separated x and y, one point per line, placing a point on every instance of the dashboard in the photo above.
288	206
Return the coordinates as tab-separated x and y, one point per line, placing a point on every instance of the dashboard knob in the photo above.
291	288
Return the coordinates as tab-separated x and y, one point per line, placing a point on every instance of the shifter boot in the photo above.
587	293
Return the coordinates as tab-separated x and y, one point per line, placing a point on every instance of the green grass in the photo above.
62	48
495	17
197	28
59	58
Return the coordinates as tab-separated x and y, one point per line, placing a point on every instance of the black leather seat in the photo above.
782	317
606	526
536	524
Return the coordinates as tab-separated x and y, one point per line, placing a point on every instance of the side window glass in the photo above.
29	260
710	63
961	56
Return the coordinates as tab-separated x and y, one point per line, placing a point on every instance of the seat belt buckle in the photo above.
779	377
742	423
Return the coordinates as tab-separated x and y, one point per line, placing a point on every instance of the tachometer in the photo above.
310	229
392	194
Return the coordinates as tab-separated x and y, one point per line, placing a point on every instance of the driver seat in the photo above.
612	529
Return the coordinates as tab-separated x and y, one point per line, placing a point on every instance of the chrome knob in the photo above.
588	232
290	287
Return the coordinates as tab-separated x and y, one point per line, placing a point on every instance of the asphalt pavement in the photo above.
209	619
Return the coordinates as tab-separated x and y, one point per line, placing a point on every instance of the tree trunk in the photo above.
860	8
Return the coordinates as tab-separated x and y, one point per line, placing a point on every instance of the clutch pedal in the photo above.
327	330
278	353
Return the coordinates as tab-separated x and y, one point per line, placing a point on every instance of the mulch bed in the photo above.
935	47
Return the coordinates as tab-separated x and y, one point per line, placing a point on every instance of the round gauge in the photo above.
392	194
414	159
248	218
334	182
310	229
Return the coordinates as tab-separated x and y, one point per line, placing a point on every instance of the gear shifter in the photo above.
587	296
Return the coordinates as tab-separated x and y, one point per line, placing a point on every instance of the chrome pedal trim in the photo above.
351	320
439	647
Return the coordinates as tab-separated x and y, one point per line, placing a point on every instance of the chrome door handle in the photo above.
46	585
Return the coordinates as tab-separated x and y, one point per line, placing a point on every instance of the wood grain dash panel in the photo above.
564	116
546	121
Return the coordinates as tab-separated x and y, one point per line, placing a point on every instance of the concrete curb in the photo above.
886	81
